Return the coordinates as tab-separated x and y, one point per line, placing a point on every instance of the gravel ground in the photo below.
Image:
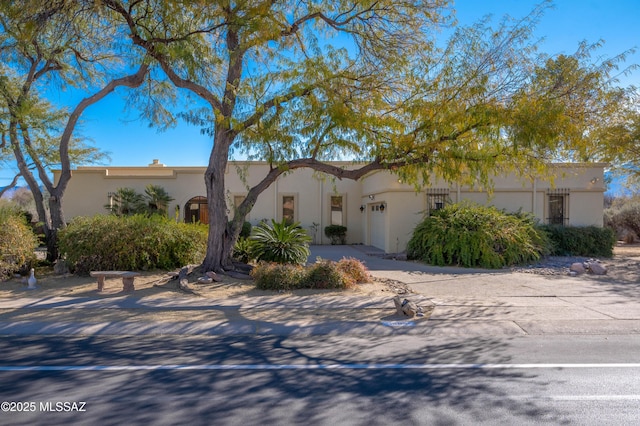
553	265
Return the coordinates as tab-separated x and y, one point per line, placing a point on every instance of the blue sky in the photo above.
131	142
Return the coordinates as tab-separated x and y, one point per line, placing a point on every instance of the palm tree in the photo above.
157	199
125	202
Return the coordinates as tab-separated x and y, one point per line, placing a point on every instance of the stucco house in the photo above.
378	210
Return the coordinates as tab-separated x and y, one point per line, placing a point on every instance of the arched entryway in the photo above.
196	210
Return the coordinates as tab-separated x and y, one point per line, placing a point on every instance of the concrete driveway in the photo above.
476	301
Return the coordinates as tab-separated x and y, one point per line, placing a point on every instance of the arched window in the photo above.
196	210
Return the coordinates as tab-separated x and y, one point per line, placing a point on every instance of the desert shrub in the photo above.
337	234
624	218
580	241
280	242
471	235
324	274
131	243
17	242
354	270
278	276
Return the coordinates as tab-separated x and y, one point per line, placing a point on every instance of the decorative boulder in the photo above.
578	268
214	276
406	307
597	268
205	280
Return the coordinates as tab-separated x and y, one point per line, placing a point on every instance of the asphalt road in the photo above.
280	380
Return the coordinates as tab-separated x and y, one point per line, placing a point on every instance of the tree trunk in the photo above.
218	257
38	198
57	223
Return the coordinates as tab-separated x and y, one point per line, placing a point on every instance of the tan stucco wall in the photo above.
87	193
390	229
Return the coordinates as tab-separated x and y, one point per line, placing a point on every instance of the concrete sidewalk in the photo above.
456	302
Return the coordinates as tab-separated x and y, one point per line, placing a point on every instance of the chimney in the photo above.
156	163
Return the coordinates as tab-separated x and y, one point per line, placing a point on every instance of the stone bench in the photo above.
127	278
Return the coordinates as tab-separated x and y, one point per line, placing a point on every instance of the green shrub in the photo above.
280	242
337	234
131	243
17	242
580	241
245	232
324	274
471	235
243	250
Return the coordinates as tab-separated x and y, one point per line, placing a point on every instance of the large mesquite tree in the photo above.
42	46
299	83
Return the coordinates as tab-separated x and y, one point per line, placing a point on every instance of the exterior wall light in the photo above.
381	207
362	209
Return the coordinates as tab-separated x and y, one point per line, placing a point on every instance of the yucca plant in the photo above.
280	242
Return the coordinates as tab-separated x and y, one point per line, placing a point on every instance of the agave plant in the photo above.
280	242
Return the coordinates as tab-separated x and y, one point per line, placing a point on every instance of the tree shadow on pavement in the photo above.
355	380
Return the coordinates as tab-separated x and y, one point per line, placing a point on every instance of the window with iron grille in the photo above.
437	198
558	206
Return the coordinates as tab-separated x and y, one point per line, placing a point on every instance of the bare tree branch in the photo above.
13	183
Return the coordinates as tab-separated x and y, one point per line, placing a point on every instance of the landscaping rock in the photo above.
597	268
214	276
406	307
578	268
205	280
